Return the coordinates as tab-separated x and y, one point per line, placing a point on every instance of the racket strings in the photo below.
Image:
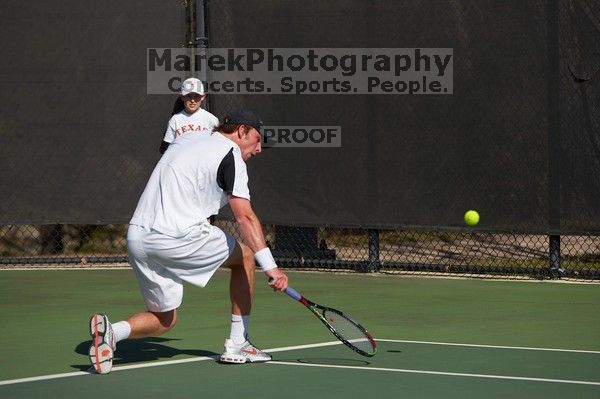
348	330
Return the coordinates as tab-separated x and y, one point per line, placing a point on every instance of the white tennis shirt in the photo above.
191	182
182	123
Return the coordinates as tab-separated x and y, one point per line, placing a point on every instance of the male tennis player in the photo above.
191	118
170	241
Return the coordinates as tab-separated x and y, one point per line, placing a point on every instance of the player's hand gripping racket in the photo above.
343	327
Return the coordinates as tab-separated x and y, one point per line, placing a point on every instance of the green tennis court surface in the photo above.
523	339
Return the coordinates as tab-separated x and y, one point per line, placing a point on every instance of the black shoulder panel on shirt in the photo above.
226	173
163	147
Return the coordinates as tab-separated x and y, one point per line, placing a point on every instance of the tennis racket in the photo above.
352	334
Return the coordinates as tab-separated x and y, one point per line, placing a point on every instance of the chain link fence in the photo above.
448	253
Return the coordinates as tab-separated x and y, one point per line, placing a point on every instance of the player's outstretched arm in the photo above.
250	226
252	233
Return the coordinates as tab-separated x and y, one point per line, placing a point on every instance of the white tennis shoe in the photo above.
103	344
242	353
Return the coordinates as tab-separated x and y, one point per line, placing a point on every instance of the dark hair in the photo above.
231	127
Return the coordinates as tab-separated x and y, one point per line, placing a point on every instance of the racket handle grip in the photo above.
293	293
290	291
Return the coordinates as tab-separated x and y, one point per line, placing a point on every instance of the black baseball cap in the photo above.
244	116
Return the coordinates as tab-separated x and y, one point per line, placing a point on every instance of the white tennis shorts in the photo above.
162	263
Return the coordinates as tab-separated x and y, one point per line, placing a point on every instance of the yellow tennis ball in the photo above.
471	218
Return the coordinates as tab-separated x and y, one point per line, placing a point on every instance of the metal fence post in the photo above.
555	152
554	251
374	262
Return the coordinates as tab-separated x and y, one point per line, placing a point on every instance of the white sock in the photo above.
239	328
122	330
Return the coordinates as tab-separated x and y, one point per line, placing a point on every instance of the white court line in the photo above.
489	346
501	377
42	377
308	346
154	364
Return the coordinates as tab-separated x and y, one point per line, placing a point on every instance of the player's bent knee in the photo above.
167	319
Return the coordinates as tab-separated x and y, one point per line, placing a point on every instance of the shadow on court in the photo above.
141	350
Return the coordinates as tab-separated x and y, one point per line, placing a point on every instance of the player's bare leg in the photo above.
241	283
237	348
152	324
